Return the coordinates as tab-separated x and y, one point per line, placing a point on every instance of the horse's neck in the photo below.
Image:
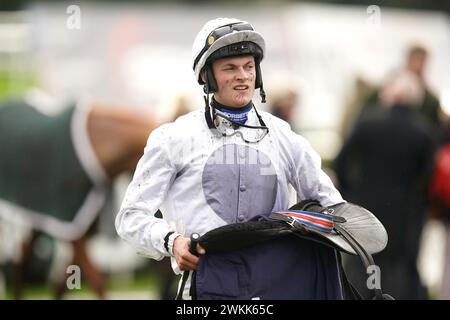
118	137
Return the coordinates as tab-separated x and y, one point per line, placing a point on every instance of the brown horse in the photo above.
117	137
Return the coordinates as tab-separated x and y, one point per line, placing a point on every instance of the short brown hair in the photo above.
417	49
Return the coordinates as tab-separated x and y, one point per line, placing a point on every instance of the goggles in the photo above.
249	134
219	33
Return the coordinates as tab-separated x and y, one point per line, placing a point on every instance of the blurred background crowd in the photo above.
83	83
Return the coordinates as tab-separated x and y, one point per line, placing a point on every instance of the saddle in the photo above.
346	227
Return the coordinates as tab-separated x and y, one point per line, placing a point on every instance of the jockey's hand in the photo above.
185	259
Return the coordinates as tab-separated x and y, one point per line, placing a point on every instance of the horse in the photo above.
60	184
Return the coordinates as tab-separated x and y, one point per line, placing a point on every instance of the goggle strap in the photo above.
261	121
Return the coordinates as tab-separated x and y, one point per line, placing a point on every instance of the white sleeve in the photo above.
307	176
136	222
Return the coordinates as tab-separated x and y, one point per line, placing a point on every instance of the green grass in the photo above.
15	85
141	286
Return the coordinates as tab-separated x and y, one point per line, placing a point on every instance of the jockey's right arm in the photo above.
136	222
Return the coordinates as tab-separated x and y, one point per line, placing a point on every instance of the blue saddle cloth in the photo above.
286	268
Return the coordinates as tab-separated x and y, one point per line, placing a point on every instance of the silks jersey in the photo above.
203	178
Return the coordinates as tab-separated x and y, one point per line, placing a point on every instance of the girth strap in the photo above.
366	259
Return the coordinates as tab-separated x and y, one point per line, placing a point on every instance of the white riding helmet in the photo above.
226	37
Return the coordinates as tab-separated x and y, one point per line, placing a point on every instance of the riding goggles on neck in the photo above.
227	127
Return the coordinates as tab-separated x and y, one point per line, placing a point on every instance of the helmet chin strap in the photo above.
262	93
209	119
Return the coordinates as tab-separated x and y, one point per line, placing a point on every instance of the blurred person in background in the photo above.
415	63
361	90
385	166
283	104
440	203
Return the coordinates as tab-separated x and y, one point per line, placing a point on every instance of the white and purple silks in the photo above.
201	180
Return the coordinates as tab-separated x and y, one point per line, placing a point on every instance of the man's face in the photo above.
235	79
416	63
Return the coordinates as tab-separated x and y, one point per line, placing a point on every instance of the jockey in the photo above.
225	164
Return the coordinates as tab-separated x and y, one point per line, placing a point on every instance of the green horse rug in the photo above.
49	172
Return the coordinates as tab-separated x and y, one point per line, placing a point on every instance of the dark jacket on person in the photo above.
385	166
